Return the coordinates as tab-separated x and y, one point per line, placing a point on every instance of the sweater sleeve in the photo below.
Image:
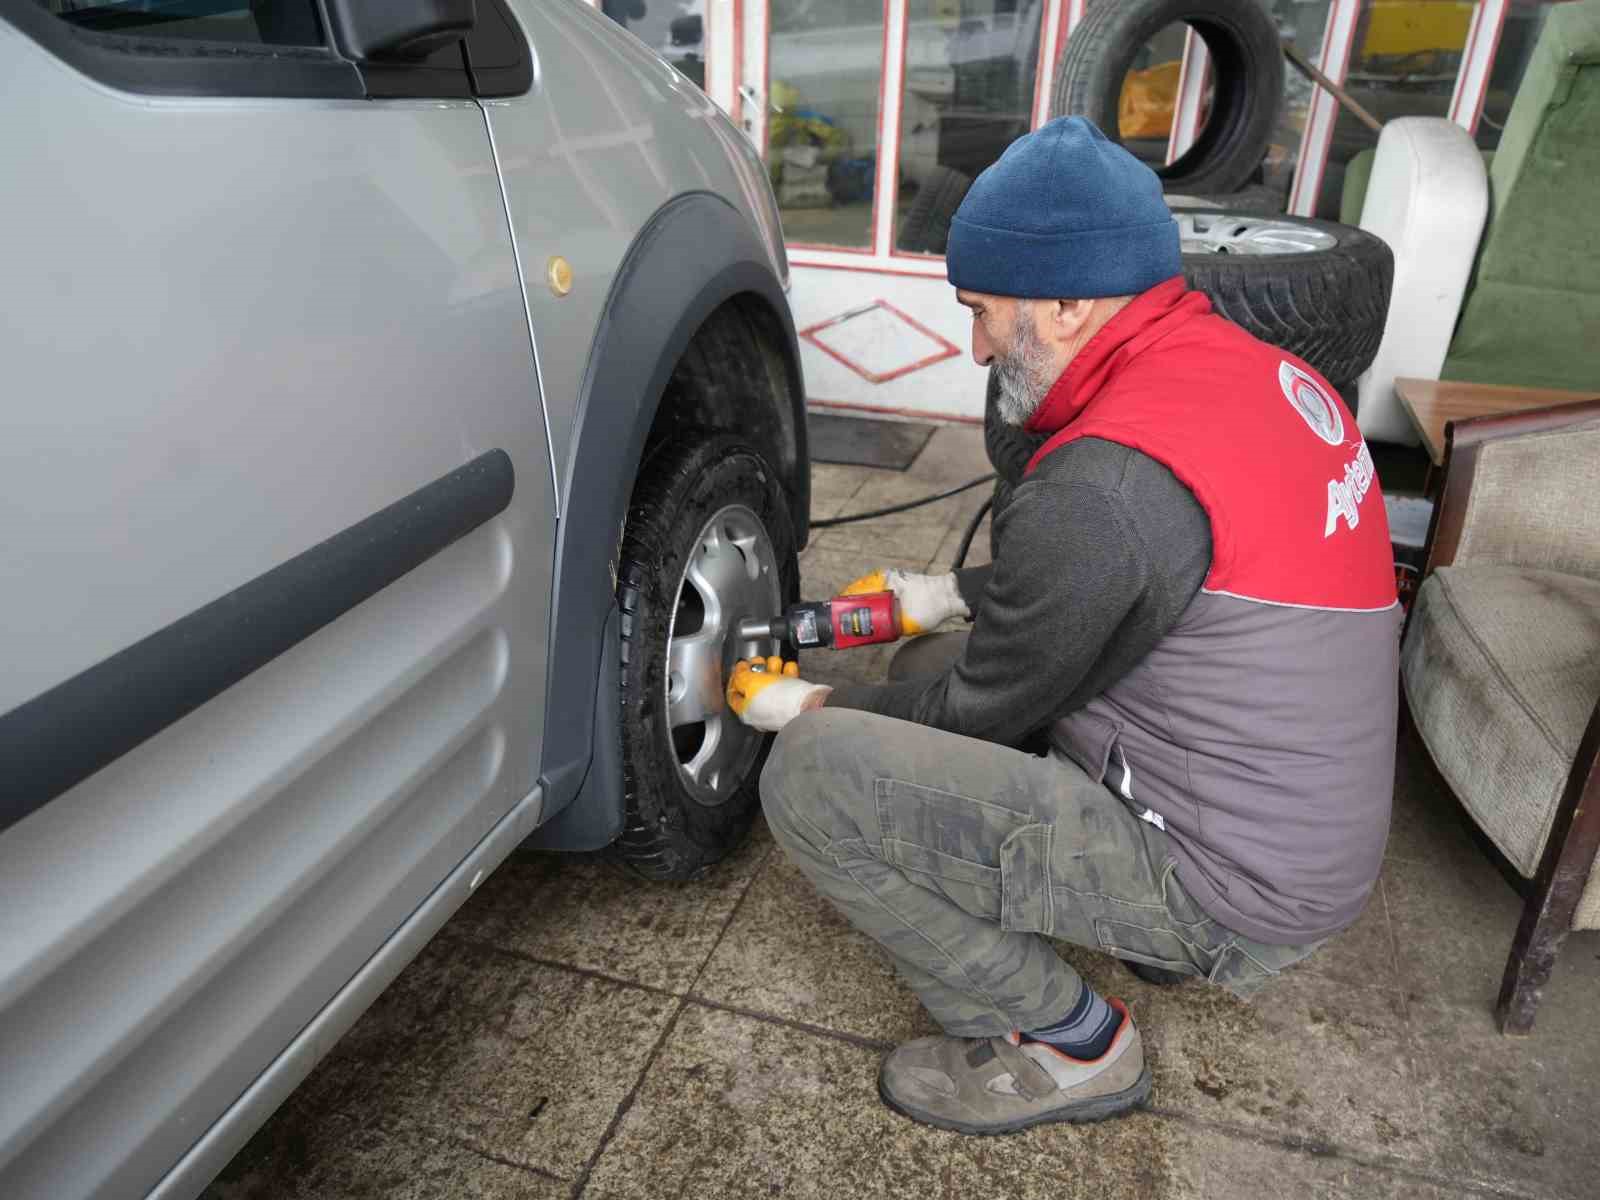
1076	599
971	582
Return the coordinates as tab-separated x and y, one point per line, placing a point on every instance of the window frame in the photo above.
152	65
190	67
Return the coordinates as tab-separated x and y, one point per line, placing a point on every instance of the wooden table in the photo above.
1432	404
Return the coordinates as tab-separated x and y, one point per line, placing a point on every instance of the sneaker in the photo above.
1003	1084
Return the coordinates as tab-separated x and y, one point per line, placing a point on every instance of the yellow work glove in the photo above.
926	601
769	693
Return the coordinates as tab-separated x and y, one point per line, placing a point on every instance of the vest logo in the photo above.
1312	403
1345	495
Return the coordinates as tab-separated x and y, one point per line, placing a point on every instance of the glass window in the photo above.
970	72
1403	64
825	67
269	22
674	29
1524	23
1302	22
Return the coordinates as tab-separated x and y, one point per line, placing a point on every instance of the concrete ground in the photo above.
574	1031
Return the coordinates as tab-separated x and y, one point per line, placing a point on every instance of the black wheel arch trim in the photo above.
697	253
62	736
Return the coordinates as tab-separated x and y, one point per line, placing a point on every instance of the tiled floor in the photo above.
576	1032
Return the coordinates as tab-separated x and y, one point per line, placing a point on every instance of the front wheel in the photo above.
708	544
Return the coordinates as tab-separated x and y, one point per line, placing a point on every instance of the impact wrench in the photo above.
865	619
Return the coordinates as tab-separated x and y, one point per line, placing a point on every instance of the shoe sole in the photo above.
1085	1112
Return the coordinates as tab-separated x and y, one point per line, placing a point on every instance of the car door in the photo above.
276	498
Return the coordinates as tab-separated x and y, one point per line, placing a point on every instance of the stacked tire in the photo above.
1246	69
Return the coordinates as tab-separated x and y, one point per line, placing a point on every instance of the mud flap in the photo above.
593	819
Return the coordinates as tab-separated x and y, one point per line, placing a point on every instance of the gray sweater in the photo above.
1101	550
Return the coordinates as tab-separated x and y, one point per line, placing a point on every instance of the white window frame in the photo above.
1477	63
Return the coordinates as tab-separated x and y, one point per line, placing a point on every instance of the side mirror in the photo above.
399	30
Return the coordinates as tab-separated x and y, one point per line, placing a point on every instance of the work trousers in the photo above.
961	858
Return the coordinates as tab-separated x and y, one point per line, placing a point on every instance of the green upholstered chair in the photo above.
1531	317
1357	174
1532	312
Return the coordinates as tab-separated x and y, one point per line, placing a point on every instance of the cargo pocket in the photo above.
952	844
1157	947
1025	881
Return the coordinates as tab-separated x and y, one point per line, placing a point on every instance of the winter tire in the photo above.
708	543
1247	65
926	228
1317	289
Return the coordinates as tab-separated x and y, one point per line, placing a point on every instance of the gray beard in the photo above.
1024	376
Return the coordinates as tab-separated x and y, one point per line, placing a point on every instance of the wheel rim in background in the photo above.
730	575
1239	233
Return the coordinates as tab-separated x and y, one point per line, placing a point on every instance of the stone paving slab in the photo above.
953	455
1364	954
1516	1113
790	954
1303	1059
1219	1164
594	914
738	1107
322	1156
832	489
538	1084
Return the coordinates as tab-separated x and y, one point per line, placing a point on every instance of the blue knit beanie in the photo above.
1066	214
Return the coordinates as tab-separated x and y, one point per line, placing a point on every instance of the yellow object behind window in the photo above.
1148	100
1396	27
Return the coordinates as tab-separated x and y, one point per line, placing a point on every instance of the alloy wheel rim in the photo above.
1242	233
731	575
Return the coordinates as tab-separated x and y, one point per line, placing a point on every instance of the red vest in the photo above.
1265	445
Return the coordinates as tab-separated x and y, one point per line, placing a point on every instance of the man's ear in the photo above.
1068	317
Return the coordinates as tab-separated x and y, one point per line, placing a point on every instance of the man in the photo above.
1194	595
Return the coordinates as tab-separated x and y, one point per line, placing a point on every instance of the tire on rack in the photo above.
926	227
1317	289
1247	65
708	542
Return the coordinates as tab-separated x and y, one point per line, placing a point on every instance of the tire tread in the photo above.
664	835
926	227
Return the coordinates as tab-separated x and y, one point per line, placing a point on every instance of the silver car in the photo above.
401	410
